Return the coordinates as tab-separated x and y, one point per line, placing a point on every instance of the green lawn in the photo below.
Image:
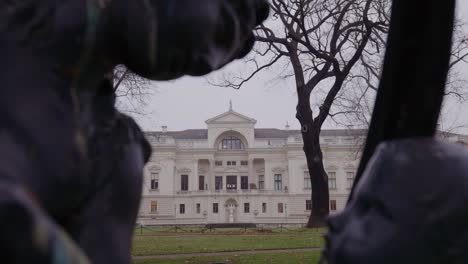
144	245
270	258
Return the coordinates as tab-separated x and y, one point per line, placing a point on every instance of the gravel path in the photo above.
243	252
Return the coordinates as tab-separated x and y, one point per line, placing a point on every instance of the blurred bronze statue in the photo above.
409	207
408	204
70	164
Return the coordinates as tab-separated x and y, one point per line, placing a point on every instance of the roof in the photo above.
241	118
184	134
259	133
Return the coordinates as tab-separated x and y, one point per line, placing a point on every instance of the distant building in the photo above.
234	172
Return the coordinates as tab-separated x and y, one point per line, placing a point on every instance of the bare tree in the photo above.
322	42
333	49
356	104
132	91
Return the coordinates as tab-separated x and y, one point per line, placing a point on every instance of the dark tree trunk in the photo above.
314	157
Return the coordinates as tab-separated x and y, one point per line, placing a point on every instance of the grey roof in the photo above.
184	134
259	133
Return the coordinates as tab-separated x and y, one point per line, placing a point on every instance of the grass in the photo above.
144	245
271	258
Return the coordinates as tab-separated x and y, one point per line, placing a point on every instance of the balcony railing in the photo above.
230	191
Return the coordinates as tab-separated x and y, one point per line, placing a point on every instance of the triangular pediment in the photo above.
230	117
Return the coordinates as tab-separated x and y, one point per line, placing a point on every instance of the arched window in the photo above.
231	143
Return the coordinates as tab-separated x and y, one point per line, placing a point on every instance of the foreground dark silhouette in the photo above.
408	203
70	165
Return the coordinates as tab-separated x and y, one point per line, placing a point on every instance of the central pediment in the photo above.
230	117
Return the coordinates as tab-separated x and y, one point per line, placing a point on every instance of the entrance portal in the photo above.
231	205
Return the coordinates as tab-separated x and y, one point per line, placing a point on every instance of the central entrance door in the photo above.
231	206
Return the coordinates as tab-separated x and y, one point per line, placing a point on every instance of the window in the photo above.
244	163
332	180
278	182
231	182
182	209
231	163
280	208
244	182
349	179
307	180
231	143
154	181
215	208
264	207
198	208
184	182
218	163
261	182
218	182
333	205
154	206
246	207
308	205
201	183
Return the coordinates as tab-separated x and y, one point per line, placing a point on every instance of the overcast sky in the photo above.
188	102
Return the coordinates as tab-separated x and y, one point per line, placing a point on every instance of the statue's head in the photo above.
409	207
167	39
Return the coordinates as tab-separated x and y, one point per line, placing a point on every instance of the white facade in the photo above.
234	172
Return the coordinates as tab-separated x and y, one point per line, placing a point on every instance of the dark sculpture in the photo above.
59	174
409	204
117	150
409	207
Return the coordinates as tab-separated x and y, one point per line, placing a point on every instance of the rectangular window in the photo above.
307	180
244	182
349	179
332	205
182	209
278	182
215	208
201	183
280	208
264	207
332	180
218	182
231	163
231	182
198	208
218	163
244	163
154	206
184	182
308	205
154	184
261	182
246	207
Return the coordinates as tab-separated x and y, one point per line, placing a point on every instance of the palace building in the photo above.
233	172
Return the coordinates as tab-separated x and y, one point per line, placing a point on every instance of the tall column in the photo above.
252	175
194	181
211	178
268	175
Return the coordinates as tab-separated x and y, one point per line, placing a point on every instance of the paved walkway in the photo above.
243	252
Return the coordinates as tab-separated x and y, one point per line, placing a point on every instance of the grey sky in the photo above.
188	102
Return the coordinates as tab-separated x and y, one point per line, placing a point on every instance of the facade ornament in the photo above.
154	168
184	170
279	169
